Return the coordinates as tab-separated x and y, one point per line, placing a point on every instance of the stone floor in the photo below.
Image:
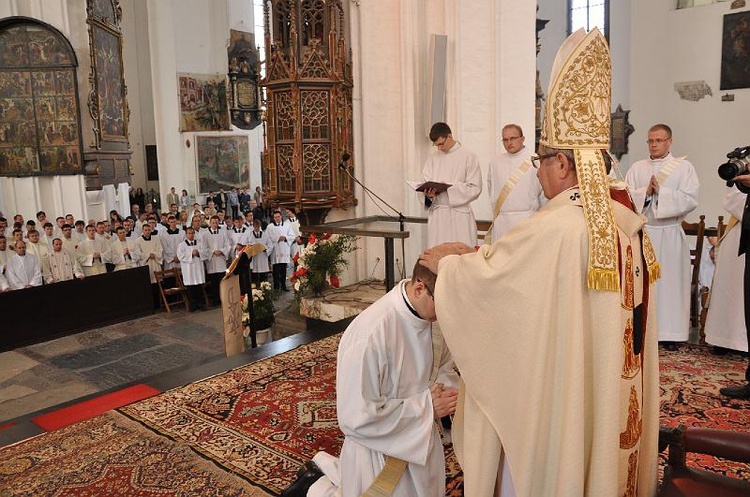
47	374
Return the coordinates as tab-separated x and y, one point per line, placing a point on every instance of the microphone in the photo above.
344	158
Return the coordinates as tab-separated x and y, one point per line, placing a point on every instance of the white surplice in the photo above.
91	265
281	250
217	240
259	264
169	243
193	271
677	197
524	199
383	399
725	323
40	250
450	218
117	254
237	237
146	248
60	267
23	271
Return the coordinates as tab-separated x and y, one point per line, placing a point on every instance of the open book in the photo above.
420	187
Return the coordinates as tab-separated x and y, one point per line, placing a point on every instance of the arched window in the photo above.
39	117
588	14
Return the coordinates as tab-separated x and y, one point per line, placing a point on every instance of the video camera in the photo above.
738	163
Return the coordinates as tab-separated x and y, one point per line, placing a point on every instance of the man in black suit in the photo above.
743	183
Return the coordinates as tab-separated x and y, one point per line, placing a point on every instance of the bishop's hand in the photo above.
430	258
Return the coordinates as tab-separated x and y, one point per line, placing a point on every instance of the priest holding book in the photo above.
449	214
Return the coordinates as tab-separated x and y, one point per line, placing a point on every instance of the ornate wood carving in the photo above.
308	104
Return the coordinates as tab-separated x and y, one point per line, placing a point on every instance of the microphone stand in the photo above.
390	277
401	217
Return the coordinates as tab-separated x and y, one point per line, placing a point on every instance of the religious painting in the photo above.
735	51
203	102
39	123
110	87
223	162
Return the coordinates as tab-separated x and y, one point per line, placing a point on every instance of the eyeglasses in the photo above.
536	160
511	138
657	140
427	289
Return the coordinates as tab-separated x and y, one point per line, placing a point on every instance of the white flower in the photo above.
297	284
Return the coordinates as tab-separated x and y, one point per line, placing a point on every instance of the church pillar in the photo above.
161	35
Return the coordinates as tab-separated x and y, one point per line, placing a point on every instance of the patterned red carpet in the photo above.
247	431
689	381
111	455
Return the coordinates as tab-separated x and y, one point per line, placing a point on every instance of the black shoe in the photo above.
741	392
308	474
670	346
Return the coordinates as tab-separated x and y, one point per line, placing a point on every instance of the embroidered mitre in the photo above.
577	117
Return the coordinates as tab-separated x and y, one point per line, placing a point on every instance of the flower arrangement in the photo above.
263	308
321	262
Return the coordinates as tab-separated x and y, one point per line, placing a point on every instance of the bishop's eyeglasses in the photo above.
536	160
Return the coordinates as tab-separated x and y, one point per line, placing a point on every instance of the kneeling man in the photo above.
394	381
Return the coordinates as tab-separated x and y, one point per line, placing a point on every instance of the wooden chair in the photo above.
720	227
681	480
698	230
171	277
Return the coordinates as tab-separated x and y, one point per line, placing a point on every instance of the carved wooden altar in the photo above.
309	104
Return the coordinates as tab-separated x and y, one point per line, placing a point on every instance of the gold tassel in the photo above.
654	272
603	279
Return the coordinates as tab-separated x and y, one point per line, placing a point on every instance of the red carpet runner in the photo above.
93	407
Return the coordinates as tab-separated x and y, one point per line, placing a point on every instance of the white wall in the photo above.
669	46
190	36
490	81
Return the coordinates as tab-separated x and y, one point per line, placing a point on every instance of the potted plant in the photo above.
263	311
320	263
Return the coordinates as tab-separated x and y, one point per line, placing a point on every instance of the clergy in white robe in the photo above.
70	244
238	235
293	221
91	253
450	217
665	189
37	248
259	267
390	391
281	237
725	322
549	325
60	266
191	253
548	364
219	246
124	252
511	174
171	238
23	270
4	286
152	254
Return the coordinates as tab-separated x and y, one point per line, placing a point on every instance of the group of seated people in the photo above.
39	252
